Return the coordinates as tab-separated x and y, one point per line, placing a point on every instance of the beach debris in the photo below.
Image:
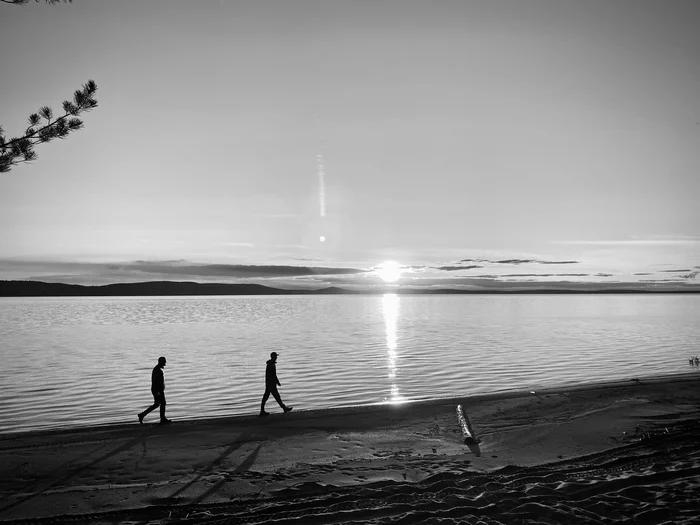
694	361
468	438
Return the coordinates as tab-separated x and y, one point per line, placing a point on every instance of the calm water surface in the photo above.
83	361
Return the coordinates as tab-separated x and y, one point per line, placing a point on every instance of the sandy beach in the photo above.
591	454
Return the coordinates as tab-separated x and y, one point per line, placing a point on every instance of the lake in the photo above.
80	361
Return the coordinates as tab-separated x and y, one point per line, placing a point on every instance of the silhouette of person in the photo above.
271	384
158	391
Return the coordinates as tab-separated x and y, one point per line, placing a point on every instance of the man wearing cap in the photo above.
271	384
158	391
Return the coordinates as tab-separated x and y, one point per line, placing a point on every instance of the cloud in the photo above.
239	244
241	270
350	274
162	241
494	283
635	242
454	268
546	275
514	261
161	270
280	215
661	280
517	261
140	261
293	246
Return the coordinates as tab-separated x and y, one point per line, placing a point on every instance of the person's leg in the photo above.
276	395
279	400
266	396
162	407
156	404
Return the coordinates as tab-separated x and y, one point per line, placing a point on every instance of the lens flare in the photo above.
320	168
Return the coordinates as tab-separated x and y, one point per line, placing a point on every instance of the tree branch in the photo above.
21	149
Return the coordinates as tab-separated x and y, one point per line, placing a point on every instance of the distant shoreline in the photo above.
183	288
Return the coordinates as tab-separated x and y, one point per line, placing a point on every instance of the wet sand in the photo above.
591	454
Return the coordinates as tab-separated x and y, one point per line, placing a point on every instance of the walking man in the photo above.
158	391
271	384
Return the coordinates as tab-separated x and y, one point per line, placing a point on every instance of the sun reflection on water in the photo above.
390	308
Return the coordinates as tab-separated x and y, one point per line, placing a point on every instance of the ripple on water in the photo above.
85	361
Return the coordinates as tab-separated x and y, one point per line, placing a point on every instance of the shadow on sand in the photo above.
246	464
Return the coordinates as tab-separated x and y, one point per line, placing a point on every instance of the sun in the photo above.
389	271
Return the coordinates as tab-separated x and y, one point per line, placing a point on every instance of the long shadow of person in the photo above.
175	496
62	480
245	465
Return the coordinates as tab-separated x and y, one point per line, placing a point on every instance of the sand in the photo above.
592	454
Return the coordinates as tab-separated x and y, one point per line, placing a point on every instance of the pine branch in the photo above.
21	149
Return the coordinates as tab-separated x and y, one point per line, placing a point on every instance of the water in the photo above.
70	362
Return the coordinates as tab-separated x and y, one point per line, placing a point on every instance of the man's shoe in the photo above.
263	414
165	421
141	418
288	409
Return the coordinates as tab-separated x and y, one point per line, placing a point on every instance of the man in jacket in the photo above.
271	384
158	391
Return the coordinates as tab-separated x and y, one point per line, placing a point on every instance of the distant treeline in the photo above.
42	289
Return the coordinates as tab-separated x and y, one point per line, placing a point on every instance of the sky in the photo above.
496	143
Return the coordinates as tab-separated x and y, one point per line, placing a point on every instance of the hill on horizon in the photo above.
25	288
